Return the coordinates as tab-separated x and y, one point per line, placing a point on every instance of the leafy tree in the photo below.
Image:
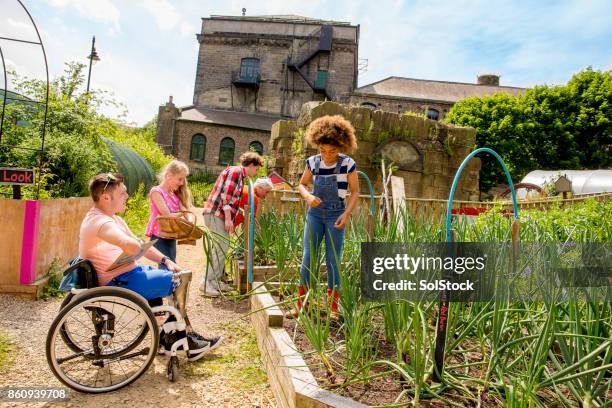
73	150
592	119
143	141
560	127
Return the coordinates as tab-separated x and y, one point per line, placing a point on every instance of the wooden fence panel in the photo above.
290	202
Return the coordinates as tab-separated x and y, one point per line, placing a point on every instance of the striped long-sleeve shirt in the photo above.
226	193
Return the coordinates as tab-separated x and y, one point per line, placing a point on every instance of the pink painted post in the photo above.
30	242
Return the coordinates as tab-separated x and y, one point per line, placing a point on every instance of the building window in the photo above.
368	105
198	147
226	151
255	146
249	68
433	114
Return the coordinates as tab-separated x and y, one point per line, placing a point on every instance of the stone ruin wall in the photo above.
426	152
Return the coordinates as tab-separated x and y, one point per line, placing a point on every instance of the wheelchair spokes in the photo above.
104	338
113	338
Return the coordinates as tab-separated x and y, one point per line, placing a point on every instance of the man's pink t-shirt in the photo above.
101	253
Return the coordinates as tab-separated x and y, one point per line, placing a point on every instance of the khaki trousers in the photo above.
220	245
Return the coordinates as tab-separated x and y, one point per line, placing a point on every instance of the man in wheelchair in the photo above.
104	236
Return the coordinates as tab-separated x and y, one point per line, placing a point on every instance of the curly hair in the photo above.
251	157
332	130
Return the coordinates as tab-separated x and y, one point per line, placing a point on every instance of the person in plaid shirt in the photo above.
219	214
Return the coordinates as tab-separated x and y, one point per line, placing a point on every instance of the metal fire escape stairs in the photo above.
324	46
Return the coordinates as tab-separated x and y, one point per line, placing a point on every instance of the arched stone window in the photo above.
369	105
256	146
198	147
226	151
433	114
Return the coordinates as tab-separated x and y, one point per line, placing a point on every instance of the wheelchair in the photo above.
105	337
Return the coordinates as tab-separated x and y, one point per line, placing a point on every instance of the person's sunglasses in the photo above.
109	177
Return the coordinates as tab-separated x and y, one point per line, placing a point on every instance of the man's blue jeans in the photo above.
320	225
148	282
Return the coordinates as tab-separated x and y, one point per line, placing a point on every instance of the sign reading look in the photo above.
9	175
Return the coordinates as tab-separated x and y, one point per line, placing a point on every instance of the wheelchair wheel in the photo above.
78	345
112	351
67	299
173	369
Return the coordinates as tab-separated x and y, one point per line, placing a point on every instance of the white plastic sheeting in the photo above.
583	181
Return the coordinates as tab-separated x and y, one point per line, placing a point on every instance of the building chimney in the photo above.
488	79
166	115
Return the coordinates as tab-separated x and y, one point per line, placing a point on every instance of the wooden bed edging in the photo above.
266	273
293	384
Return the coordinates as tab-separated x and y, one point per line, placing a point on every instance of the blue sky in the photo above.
148	48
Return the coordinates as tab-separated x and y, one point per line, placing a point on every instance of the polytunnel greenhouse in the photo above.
583	181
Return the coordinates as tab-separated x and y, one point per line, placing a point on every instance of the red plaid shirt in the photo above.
227	191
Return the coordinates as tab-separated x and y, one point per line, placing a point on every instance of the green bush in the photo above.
74	149
201	183
558	127
51	289
136	214
142	141
200	191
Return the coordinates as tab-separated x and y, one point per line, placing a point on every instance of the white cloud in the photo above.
167	17
98	10
131	82
525	42
19	24
164	12
187	29
457	40
19	29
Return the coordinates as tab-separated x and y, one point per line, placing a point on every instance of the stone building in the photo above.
427	153
209	138
251	72
431	98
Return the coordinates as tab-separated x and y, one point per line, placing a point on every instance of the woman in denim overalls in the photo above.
327	213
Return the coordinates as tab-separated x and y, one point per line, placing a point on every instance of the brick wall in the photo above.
185	130
398	105
282	91
437	149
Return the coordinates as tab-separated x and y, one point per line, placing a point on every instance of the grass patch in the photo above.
201	183
239	362
6	348
51	289
200	191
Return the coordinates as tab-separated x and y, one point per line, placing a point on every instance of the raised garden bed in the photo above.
292	381
263	273
497	354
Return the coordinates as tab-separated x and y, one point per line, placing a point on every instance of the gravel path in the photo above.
231	376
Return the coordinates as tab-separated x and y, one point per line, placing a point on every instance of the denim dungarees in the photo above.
320	222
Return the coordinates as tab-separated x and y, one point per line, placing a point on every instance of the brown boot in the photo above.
295	312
